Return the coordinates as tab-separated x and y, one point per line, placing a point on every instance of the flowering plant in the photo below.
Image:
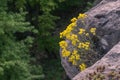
81	41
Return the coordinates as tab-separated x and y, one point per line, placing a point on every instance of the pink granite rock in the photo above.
110	62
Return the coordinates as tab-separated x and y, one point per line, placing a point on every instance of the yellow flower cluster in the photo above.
74	39
74	57
82	66
81	31
68	30
87	34
63	44
93	31
65	52
82	16
71	26
73	20
84	45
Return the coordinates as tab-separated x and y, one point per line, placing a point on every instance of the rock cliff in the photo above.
107	68
105	16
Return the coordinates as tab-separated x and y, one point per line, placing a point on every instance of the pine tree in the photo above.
14	53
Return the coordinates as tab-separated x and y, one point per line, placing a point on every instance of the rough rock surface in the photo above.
96	2
111	60
106	18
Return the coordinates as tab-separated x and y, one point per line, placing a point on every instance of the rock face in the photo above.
110	62
96	2
105	16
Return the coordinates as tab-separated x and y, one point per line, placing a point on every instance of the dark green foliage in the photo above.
46	37
54	71
46	24
14	57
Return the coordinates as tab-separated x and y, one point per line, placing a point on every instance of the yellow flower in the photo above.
71	58
81	31
80	45
88	43
68	36
87	34
82	66
74	39
93	31
73	19
75	52
74	43
61	35
84	45
72	25
68	30
86	48
65	53
82	16
77	57
74	62
74	36
63	44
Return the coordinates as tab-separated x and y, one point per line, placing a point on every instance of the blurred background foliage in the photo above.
29	36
